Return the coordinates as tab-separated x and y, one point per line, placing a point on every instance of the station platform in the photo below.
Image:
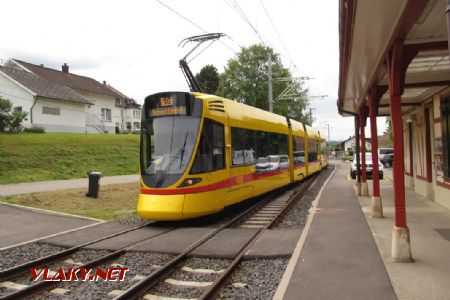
345	254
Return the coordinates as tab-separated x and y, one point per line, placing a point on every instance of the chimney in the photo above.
104	82
65	68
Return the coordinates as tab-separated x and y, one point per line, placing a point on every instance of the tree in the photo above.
245	80
10	121
208	79
389	129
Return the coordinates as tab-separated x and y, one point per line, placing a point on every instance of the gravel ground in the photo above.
259	276
168	290
18	255
133	220
138	263
297	215
81	256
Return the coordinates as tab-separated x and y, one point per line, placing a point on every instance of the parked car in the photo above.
368	167
384	151
388	160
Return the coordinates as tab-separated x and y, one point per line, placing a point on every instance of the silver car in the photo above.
368	166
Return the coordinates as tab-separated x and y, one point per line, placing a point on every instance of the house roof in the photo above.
71	80
352	138
43	87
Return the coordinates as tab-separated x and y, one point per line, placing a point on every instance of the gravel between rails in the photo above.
18	255
81	256
259	276
297	215
138	263
168	290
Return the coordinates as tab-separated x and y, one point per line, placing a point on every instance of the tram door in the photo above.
211	160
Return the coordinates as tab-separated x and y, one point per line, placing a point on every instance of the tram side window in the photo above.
445	122
243	143
268	150
210	153
313	149
299	150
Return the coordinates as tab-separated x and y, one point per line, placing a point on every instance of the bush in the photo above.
10	121
34	129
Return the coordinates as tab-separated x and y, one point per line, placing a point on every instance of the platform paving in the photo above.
78	237
339	259
428	277
226	244
20	224
274	243
175	241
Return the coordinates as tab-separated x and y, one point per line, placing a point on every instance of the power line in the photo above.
191	22
235	6
276	30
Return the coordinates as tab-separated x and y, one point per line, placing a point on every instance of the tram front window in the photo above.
167	146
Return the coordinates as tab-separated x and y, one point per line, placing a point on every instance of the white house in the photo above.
349	144
61	101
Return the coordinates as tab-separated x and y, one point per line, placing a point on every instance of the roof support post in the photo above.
401	246
377	205
362	126
357	156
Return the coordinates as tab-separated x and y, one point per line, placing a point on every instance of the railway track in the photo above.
21	290
268	209
259	216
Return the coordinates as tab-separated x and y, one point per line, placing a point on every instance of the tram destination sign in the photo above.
172	104
167	111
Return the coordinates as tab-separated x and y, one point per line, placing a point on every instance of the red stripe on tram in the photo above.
214	186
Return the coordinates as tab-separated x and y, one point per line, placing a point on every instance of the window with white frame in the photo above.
106	114
137	114
47	110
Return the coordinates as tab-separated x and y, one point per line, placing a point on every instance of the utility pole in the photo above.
269	63
310	117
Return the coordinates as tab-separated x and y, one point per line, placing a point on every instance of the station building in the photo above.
394	61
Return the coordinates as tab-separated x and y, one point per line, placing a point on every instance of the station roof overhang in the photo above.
368	30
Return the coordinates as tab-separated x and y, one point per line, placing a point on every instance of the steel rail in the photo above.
22	268
35	288
217	284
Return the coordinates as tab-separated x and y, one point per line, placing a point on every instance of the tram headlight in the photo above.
190	182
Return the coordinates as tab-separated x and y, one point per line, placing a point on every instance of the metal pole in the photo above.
328	125
269	63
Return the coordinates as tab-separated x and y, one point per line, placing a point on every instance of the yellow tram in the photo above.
200	153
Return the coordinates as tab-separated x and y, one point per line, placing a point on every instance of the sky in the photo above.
134	45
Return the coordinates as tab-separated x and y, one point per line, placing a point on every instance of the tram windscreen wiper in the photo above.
179	153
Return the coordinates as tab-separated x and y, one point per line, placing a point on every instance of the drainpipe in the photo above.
31	109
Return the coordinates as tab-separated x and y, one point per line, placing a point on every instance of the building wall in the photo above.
442	190
71	118
17	95
102	101
438	189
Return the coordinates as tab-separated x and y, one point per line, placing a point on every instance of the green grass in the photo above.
114	201
31	157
